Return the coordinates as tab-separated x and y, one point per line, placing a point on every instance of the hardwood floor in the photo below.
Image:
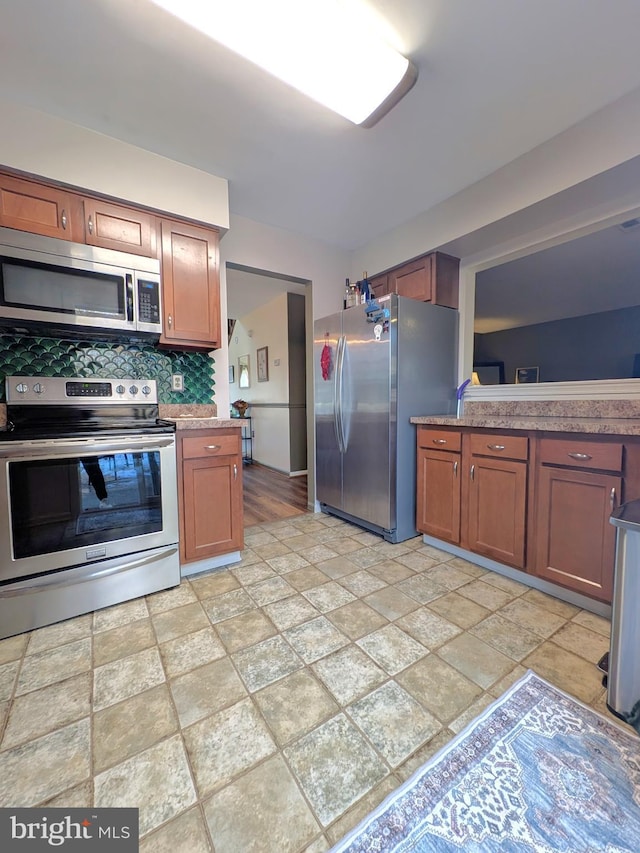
270	495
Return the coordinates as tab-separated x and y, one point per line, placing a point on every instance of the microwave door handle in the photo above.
129	296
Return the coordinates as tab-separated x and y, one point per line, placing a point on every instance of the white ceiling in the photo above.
496	78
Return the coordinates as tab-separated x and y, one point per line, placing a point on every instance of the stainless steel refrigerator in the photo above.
372	373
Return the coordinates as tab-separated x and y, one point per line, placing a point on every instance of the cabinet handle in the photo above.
473	471
439	440
169	321
63	220
455	469
235	472
581	456
212	446
612	498
496	446
90	224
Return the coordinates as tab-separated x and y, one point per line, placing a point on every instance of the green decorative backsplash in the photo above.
35	356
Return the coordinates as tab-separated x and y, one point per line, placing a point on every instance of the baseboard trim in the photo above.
199	566
598	607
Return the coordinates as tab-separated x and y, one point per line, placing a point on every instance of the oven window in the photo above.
57	505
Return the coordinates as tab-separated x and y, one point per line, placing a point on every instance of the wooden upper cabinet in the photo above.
29	206
191	286
379	285
111	226
431	278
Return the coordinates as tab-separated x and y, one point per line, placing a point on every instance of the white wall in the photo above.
602	141
267	326
38	143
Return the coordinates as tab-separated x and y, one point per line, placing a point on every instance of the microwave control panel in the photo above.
148	301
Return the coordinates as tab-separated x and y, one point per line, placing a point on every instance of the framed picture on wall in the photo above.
527	374
262	356
243	371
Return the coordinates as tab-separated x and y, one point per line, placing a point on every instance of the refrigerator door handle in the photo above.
337	408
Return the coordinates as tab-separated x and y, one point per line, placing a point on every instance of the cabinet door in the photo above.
212	507
438	496
575	541
191	286
379	285
29	206
122	228
413	280
497	509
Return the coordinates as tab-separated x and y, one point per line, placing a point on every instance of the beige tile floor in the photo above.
272	705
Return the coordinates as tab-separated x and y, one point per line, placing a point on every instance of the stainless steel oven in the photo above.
88	499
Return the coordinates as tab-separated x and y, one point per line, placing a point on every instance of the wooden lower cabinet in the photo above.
497	509
438	497
533	501
210	494
575	540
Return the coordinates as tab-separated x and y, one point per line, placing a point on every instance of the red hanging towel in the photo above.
325	361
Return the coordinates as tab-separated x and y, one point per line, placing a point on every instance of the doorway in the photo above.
268	371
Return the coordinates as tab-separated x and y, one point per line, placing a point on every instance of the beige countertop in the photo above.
595	426
196	416
205	423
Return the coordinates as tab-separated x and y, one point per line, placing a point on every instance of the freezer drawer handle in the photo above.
439	440
496	446
581	456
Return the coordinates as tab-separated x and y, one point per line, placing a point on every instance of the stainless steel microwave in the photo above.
46	282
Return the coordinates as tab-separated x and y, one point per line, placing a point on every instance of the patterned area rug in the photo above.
537	771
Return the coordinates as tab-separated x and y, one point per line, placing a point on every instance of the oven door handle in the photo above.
54	448
69	577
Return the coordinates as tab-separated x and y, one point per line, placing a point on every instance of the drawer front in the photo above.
210	445
581	454
504	446
439	439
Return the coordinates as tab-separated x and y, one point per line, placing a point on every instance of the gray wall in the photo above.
596	346
297	382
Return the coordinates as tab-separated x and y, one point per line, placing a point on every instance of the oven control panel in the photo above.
35	390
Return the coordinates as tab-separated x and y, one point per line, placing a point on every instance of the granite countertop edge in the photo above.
205	423
595	426
196	416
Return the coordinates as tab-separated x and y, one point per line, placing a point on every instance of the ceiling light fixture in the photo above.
326	49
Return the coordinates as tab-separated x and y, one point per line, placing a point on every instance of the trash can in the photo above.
623	684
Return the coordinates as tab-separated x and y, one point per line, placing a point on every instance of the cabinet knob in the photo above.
581	456
169	321
90	225
63	220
